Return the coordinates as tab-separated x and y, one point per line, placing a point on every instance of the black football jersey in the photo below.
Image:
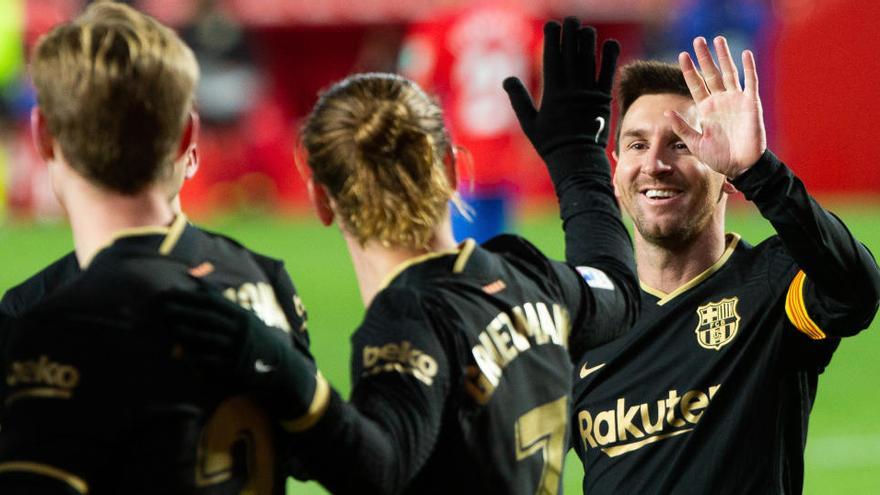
24	296
94	399
461	375
711	390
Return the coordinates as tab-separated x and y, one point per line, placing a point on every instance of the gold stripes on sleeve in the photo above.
75	482
796	309
320	401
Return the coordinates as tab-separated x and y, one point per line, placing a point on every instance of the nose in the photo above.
654	164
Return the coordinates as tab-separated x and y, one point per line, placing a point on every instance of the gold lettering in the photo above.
713	389
563	323
534	323
247	295
693	401
646	420
502	338
670	409
371	356
42	371
624	421
519	335
610	435
585	422
487	365
478	386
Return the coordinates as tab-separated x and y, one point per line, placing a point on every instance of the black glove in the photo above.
227	342
575	107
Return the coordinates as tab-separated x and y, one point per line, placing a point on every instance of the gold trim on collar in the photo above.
665	298
467	249
72	480
174	233
464	251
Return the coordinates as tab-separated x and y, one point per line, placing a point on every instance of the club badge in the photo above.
718	323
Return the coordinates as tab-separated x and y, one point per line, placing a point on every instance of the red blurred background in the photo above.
264	63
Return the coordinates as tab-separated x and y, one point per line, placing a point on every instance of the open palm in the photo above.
732	135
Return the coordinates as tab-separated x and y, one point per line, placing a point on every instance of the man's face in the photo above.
670	195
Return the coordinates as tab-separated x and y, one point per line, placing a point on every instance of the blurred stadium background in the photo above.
264	61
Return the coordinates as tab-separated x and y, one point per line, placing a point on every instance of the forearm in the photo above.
594	232
347	451
837	266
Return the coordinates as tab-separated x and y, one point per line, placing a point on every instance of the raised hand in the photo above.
732	135
575	106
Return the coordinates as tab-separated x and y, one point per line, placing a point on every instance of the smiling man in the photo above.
711	390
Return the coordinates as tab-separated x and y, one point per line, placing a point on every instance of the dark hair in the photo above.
646	77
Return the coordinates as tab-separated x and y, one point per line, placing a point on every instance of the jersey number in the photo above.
237	426
543	430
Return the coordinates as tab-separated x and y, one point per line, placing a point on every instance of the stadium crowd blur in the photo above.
263	63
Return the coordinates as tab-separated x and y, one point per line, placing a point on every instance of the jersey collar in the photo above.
463	253
732	241
171	235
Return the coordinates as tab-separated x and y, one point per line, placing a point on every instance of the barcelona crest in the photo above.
718	323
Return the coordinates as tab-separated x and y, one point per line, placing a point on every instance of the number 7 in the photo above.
543	429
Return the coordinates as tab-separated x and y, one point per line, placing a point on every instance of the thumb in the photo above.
520	101
683	129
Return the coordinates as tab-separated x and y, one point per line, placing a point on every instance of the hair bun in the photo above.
381	131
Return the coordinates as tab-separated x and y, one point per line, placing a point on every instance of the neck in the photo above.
97	215
373	262
667	268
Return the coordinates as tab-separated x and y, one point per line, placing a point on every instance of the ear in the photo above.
192	163
449	162
728	187
614	175
43	140
321	201
190	135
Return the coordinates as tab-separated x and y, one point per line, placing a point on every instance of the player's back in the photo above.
94	399
503	320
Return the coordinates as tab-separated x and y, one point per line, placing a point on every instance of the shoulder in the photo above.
269	265
29	293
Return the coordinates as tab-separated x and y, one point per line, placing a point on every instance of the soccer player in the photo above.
94	400
461	367
711	391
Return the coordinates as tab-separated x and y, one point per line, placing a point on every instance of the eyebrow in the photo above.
641	133
637	133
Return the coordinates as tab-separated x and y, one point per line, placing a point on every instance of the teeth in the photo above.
659	193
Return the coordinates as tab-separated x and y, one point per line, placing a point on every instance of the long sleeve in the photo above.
838	288
378	442
595	236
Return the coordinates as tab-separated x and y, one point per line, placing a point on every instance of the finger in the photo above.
200	338
692	77
175	315
683	129
551	55
728	67
707	65
610	53
195	299
586	66
570	59
750	72
520	100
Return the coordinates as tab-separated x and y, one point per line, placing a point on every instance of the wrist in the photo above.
315	411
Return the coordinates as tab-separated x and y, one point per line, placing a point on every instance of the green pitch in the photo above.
843	453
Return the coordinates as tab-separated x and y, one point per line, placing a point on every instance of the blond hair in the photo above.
116	88
378	144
